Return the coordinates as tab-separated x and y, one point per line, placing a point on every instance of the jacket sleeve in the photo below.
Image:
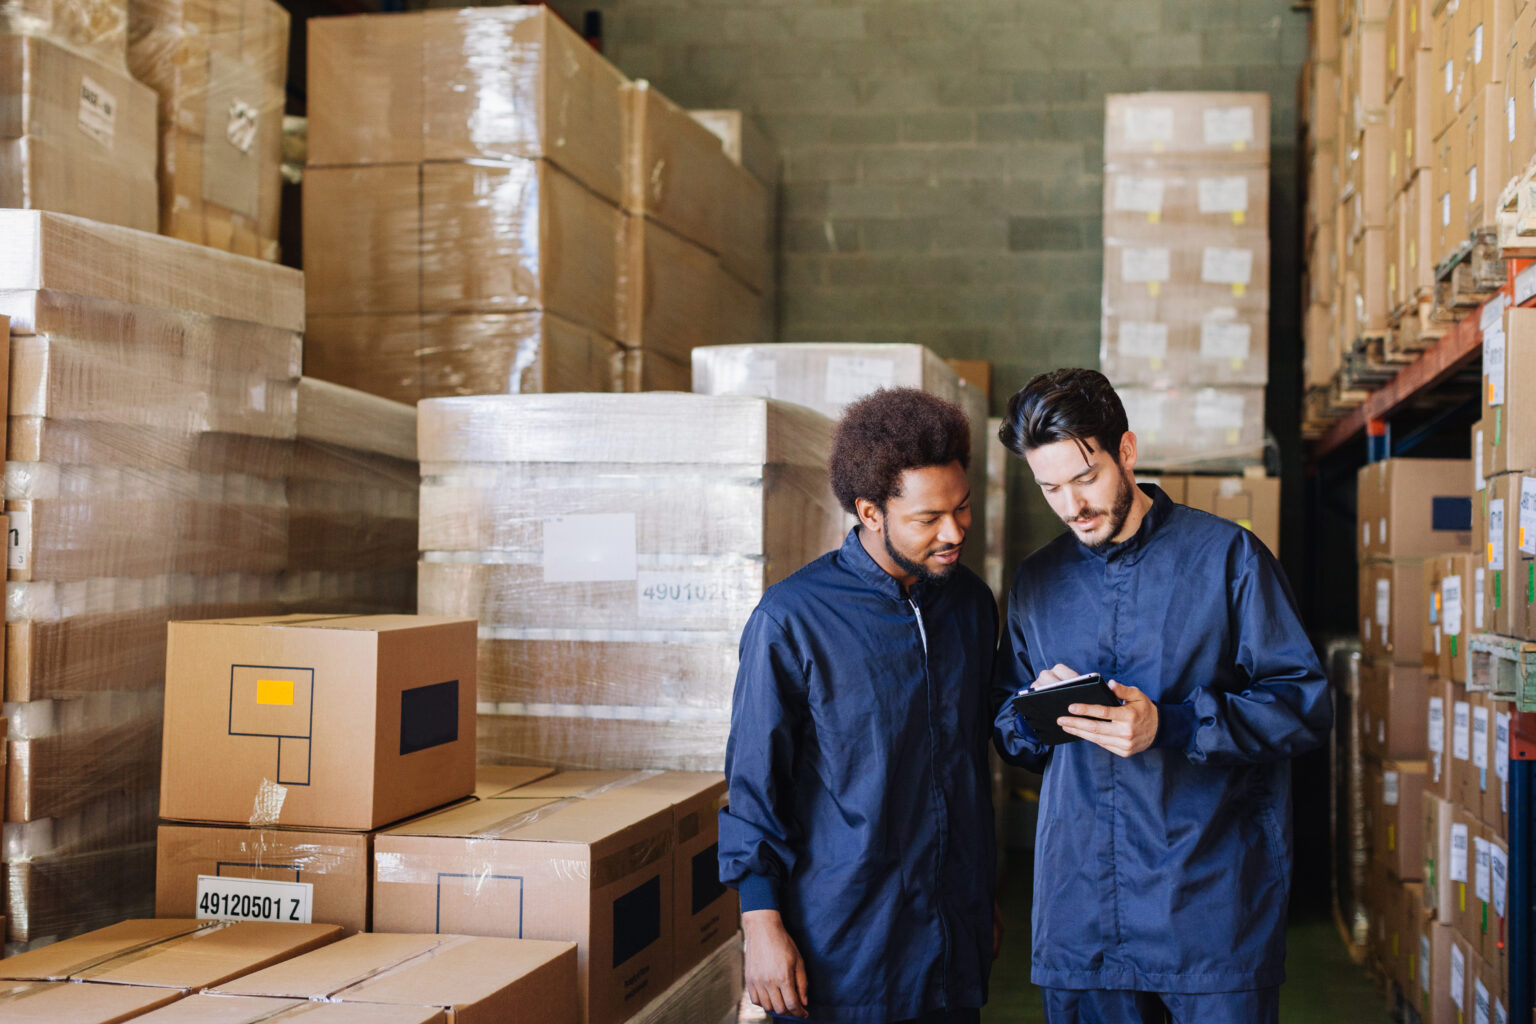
1012	672
758	831
1283	706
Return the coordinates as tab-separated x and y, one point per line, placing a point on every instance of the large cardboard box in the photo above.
1188	128
269	720
1509	565
215	1009
1464	791
1509	393
32	1002
1393	705
1439	736
1436	1001
95	29
1252	502
598	872
1391	616
675	171
451	85
1486	118
1449	630
1439	891
667	297
1414	508
1396	791
743	143
168	953
1519	86
475	980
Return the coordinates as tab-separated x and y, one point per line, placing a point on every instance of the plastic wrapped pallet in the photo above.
76	136
1196	429
612	579
675	171
669	293
828	376
95	29
708	994
220	71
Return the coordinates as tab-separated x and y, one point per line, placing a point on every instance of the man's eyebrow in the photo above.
1085	471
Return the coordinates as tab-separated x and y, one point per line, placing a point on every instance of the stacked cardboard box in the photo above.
611	580
77	132
264	809
220	73
829	377
1252	500
1186	273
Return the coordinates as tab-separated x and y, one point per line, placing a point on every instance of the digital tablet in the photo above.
1041	708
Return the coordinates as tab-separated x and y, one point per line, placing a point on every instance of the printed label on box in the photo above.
1501	746
1389	788
1224	340
1228	126
1478	600
590	548
1461	730
1424	963
1498	862
1219	410
251	899
1437	724
1383	601
1139	195
850	378
1149	124
1458	978
1496	535
1144	340
1493	365
1226	266
1450	600
1223	195
1457	872
1482	872
1144	408
241	128
19	554
1480	1002
1477	45
1139	266
1480	737
1477	458
1527	524
98	111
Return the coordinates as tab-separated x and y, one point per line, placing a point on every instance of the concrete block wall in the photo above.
942	162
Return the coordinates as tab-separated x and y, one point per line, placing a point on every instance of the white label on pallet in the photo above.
1445	209
1219	410
1493	365
1383	602
1525	284
1145	409
1461	731
1482	871
1149	124
850	378
1457	872
1223	195
19	541
1221	339
1450	77
1139	195
1527	522
1437	724
98	111
252	899
1498	864
1389	788
1477	45
1480	737
589	548
1228	126
1496	535
1226	266
1458	978
1501	745
1143	266
1450	605
1479	599
1480	1008
1143	340
1472	184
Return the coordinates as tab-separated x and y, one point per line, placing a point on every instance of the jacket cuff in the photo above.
1175	726
758	892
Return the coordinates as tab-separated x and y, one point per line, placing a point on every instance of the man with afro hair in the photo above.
859	832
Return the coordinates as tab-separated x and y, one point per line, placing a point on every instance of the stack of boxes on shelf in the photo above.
471	229
1186	274
77	131
1322	116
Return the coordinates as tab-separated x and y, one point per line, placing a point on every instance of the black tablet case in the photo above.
1041	708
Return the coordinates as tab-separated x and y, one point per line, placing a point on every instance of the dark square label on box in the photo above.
429	716
636	920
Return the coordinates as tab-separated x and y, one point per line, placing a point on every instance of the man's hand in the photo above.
1054	674
775	973
1126	730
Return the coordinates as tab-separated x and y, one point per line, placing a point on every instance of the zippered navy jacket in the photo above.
1167	871
860	802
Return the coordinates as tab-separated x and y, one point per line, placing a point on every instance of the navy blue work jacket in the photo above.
860	802
1167	871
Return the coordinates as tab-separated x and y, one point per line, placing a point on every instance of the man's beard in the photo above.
1115	516
918	570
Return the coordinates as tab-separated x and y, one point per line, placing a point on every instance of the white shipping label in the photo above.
1445	209
1149	124
1228	126
1144	408
250	899
1457	872
1437	724
1525	281
1223	195
1450	77
1389	788
241	127
1482	870
1144	340
1472	184
686	595
1142	266
1381	527
1226	266
1219	410
1480	737
1509	119
1139	195
1527	523
1477	45
850	378
98	111
1450	605
1477	459
1496	535
1478	598
1383	602
1220	339
1480	1008
1493	365
589	548
19	554
1461	730
1501	745
1424	963
1498	864
1458	978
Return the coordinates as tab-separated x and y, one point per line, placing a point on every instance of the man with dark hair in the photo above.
859	832
1163	852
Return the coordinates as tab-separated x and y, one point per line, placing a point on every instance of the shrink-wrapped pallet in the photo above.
94	29
828	377
612	547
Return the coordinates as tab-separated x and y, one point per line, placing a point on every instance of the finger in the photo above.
1091	711
1062	672
775	1002
792	1004
802	984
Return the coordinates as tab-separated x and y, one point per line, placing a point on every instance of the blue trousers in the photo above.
1099	1006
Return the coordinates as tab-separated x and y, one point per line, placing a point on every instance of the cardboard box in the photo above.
262	715
1519	86
742	142
667	299
1464	792
1488	897
1495	806
510	868
1449	629
675	171
389	89
1439	891
215	1009
1414	508
746	316
321	877
30	1002
1396	791
1411	921
1156	201
1509	393
1162	281
636	370
1437	1006
1221	347
493	780
747	216
511	353
1486	118
168	953
362	231
1448	75
1186	127
1198	429
1253	502
1391	616
1509	565
475	980
1393	704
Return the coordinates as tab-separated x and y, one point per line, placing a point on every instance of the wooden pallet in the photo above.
1416	326
1517	217
1469	276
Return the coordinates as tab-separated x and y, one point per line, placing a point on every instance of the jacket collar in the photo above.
854	558
1156	516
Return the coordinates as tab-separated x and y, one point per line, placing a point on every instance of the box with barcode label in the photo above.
1394	702
1509	390
339	722
1203	127
1154	201
1395	791
1415	508
1508	558
1196	429
1391	610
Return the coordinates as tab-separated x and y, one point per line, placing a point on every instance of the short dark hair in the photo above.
1064	405
886	433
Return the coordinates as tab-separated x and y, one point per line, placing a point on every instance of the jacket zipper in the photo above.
938	888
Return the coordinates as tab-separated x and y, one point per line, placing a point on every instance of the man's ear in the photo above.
1128	450
870	516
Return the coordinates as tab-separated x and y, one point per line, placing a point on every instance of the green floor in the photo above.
1325	987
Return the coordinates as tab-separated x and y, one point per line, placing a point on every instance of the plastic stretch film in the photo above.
675	170
1197	429
96	30
709	993
219	70
1186	128
76	136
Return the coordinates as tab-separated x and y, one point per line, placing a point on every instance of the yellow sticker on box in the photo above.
274	691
